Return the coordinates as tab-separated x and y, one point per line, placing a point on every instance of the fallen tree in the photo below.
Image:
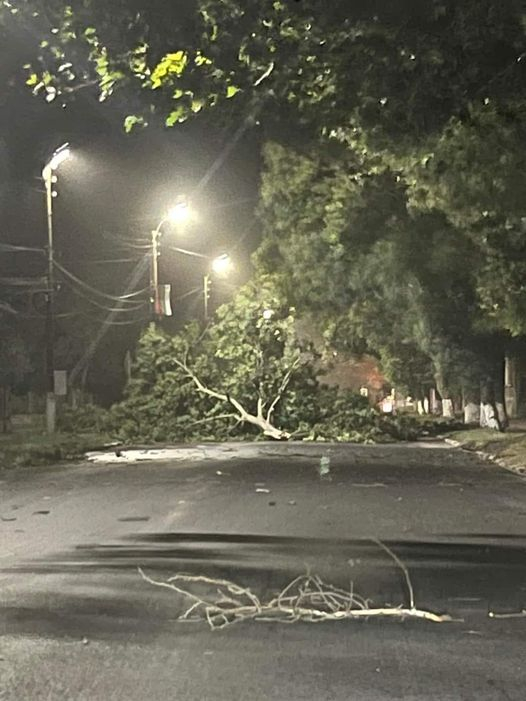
262	419
246	374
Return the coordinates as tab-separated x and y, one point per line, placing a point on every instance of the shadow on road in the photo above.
96	591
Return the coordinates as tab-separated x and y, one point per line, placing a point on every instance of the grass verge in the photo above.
508	449
34	449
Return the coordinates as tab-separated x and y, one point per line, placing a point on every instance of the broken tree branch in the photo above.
256	420
217	417
306	598
282	388
519	614
404	569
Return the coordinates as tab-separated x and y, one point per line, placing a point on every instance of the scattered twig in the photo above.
306	598
404	569
265	75
519	614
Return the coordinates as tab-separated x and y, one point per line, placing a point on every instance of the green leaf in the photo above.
201	60
231	91
172	64
176	116
131	121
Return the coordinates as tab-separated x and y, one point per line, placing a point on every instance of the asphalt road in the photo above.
78	622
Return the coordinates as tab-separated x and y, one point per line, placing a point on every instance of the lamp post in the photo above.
49	178
178	214
220	266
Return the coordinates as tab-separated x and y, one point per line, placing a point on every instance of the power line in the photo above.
134	278
105	308
22	281
188	253
112	262
10	248
187	294
84	285
141	244
127	322
5	307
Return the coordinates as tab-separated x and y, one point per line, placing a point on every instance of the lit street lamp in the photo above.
180	213
50	178
221	266
177	214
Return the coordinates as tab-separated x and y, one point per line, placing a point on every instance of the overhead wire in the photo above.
187	294
11	248
127	322
89	288
21	281
96	303
114	261
188	253
5	307
133	279
141	244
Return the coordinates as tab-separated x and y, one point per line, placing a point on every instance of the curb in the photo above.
518	471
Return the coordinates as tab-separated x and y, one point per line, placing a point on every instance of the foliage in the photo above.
23	450
15	361
244	354
393	279
89	418
408	234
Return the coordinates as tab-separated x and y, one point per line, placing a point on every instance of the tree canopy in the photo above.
395	199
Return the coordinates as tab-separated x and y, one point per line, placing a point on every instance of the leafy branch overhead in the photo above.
393	209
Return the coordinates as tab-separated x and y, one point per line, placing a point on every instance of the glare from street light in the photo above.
180	213
222	264
60	155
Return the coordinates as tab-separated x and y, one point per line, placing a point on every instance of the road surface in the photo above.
78	622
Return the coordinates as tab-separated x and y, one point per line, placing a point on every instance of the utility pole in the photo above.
206	295
50	179
51	407
154	276
177	215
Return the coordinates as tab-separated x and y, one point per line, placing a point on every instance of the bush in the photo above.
85	419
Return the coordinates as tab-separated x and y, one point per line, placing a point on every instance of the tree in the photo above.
15	363
426	99
243	369
394	278
404	67
246	373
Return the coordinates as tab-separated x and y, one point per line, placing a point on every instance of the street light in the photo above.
60	155
220	266
49	178
178	214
